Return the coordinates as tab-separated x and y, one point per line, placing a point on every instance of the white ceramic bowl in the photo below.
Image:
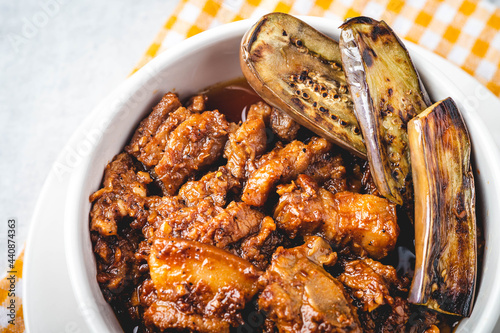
212	57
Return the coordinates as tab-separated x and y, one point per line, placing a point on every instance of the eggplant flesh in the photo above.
387	93
297	69
445	219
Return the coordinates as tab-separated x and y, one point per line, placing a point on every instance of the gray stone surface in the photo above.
58	60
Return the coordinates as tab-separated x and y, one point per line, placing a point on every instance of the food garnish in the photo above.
297	69
387	93
445	217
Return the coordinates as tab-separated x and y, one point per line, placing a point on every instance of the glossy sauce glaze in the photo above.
233	98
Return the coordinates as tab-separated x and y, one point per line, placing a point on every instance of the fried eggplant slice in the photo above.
202	280
298	70
300	296
445	219
387	93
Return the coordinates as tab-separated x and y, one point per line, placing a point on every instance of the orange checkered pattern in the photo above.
5	298
466	32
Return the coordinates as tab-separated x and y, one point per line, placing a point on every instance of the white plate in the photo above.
49	302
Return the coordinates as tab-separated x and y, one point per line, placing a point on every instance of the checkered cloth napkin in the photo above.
466	32
12	281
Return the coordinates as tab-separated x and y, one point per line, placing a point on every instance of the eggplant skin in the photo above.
445	218
387	93
298	70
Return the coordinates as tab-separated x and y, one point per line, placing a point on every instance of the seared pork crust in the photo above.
283	125
248	142
282	165
195	143
300	296
149	126
364	222
123	195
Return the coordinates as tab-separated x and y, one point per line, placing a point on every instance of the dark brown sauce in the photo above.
232	98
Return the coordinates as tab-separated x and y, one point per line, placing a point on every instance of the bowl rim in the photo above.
109	109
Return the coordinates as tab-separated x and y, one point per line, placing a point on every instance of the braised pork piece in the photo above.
206	223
